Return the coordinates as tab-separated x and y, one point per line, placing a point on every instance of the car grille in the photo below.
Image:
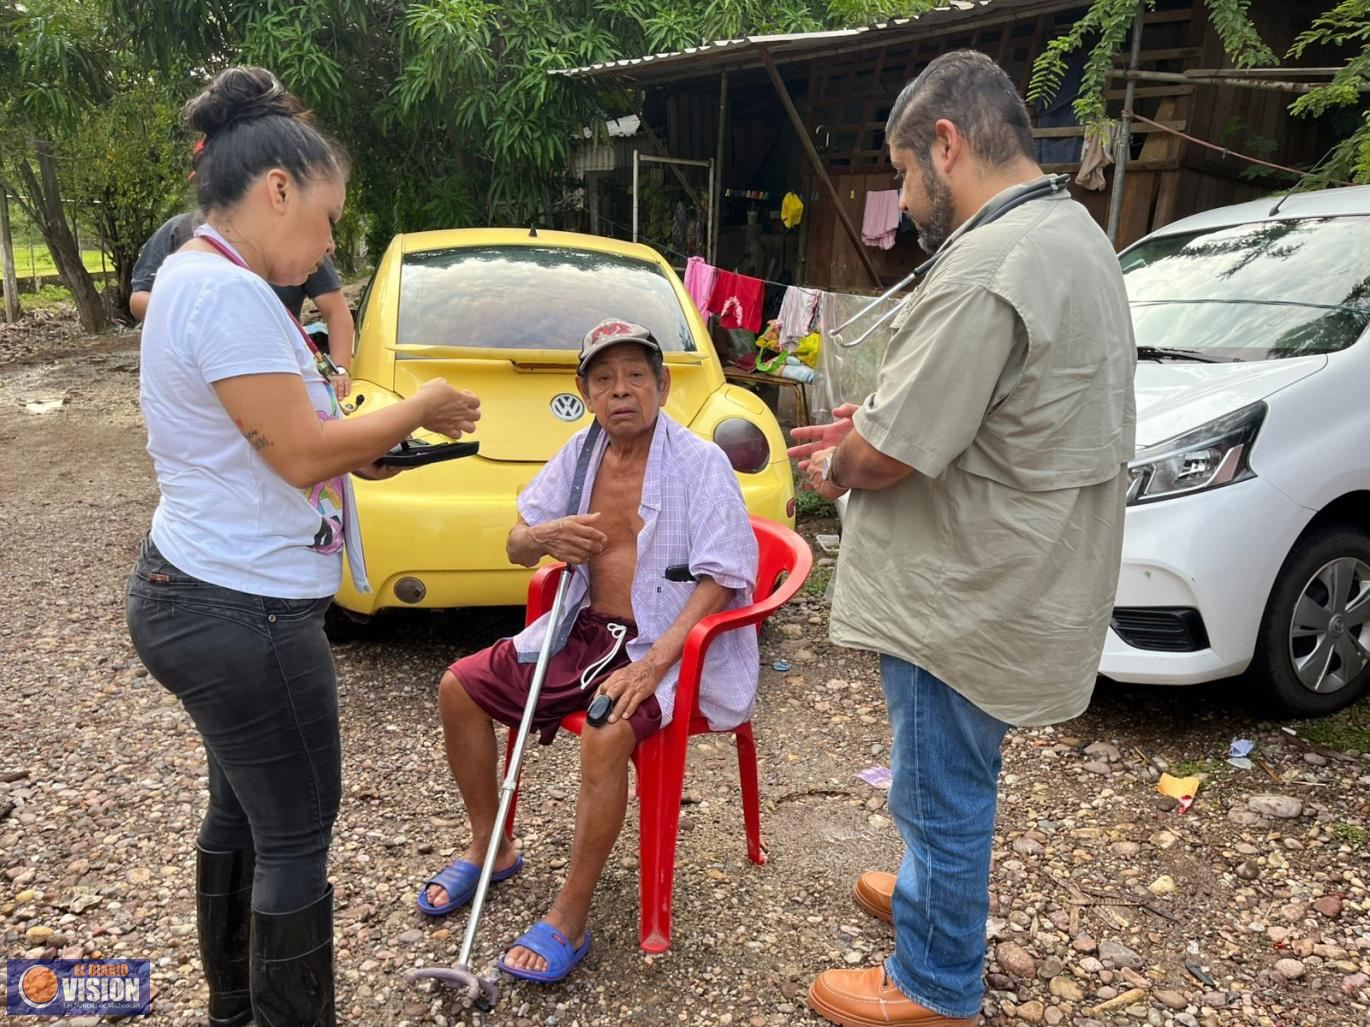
1167	629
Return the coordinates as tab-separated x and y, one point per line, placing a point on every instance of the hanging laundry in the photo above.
809	350
699	282
797	311
882	218
791	210
736	299
1098	154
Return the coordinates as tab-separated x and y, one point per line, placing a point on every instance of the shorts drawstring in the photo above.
587	677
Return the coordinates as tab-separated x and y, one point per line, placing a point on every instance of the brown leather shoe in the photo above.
874	892
867	998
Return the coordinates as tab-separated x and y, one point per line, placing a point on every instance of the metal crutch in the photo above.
484	991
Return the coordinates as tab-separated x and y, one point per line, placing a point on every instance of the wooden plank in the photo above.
1143	92
1139	195
1003	43
1132	165
1038	42
1069	131
1162	145
1179	53
1161	17
1165	200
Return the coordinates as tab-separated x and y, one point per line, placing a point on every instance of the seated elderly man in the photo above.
656	496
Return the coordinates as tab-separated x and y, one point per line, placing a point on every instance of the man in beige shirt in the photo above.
987	478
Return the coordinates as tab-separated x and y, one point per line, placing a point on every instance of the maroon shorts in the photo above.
498	683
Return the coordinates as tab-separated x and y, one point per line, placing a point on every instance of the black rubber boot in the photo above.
223	915
292	966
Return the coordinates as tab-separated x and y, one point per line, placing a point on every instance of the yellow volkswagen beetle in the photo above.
501	312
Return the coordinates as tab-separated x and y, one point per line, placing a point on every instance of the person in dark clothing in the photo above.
324	287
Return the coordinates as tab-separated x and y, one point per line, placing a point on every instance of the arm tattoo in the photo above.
255	439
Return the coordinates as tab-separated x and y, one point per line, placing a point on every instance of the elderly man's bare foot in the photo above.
437	895
573	927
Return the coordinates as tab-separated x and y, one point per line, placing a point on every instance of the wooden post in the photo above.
7	260
817	163
1115	200
716	200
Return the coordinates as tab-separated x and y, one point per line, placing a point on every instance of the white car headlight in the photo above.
1208	457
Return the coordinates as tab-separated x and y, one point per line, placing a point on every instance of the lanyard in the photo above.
232	257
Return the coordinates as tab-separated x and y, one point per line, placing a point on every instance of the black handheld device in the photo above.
599	710
679	572
417	453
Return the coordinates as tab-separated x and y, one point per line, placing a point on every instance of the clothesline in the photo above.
685	257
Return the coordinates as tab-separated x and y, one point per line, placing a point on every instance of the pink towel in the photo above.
882	218
699	282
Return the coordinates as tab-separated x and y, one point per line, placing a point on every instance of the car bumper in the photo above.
433	525
1215	552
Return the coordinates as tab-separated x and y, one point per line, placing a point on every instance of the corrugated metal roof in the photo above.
792	46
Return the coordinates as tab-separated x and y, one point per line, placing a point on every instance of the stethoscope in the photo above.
1037	190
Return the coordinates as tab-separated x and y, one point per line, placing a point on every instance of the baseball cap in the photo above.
611	333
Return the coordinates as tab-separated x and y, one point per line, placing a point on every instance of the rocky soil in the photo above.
1109	905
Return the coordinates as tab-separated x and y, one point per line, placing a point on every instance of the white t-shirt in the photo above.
225	516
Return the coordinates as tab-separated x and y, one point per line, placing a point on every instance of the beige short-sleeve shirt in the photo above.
1009	390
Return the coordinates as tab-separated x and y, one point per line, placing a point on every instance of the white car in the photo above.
1247	546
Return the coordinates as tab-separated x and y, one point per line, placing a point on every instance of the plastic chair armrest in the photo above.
702	636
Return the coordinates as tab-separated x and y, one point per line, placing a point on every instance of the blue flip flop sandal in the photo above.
459	880
551	945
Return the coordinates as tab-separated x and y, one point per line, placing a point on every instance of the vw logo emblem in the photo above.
567	406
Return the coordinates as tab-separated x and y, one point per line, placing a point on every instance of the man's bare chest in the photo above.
616	498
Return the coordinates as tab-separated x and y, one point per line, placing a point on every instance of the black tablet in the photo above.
416	453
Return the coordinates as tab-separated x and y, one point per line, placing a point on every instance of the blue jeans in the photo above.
945	763
256	675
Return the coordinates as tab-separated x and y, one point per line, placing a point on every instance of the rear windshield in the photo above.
1254	292
531	297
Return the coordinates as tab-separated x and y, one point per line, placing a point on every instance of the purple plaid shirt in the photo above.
692	513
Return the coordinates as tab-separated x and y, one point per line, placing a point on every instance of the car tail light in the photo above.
745	443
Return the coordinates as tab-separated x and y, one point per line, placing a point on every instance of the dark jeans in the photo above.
256	676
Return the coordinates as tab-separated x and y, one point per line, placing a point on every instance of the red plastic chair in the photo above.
783	565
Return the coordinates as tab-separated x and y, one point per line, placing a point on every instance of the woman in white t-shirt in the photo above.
226	603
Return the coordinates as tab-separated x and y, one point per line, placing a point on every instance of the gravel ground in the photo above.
1110	906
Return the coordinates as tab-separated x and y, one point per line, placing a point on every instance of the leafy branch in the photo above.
1345	25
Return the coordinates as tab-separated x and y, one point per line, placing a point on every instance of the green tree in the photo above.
54	59
1106	25
128	169
1347	24
446	105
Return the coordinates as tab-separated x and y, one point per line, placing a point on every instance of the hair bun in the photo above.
237	95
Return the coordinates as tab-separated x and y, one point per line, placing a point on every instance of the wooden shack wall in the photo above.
846	99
